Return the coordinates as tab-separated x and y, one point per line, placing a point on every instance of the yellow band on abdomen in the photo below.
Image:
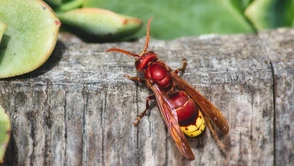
195	129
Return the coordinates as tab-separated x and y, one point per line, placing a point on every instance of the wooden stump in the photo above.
78	109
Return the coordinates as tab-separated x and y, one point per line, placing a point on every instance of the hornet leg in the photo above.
183	68
135	79
144	112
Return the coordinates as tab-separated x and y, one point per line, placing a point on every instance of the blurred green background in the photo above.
177	18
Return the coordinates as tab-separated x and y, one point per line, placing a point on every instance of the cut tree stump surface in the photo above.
77	109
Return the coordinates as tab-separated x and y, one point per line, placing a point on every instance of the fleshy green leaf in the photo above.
5	131
2	29
30	37
54	3
268	14
62	6
241	5
94	24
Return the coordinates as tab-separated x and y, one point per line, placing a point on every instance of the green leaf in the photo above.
94	24
64	5
73	4
30	37
241	5
5	130
173	18
2	29
268	14
54	3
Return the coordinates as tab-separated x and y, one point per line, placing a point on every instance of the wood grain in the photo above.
78	109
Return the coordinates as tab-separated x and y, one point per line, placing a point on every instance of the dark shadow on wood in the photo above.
11	154
92	38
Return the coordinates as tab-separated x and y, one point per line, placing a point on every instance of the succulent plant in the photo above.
64	5
5	131
95	24
30	36
2	29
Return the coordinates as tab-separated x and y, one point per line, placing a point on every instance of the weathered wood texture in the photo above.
78	109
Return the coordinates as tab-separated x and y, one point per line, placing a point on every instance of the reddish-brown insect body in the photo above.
157	72
187	109
182	107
